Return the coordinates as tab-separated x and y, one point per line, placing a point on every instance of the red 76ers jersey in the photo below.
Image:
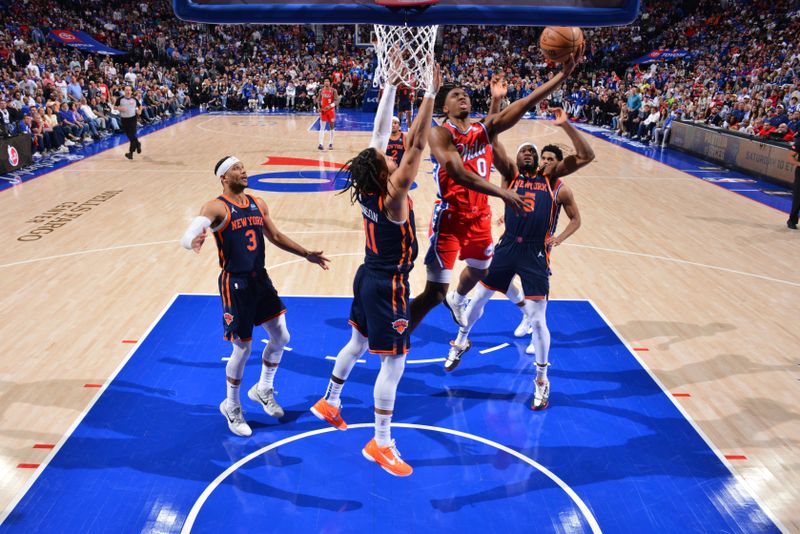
476	152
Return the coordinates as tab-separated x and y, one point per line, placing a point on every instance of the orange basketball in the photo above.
559	42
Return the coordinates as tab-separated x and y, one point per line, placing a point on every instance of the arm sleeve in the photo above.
196	228
382	128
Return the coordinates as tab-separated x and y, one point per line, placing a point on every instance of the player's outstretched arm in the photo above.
401	180
445	152
583	152
382	127
512	114
505	165
212	214
567	199
283	242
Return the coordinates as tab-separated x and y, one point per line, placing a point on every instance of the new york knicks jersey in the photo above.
396	148
475	149
390	247
240	242
539	220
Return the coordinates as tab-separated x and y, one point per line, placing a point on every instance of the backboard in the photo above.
583	13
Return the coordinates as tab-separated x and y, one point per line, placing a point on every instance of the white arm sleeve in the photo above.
382	128
196	228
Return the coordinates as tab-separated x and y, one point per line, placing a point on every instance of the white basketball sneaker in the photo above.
266	400
541	395
235	418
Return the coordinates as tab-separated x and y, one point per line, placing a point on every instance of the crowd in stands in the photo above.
742	72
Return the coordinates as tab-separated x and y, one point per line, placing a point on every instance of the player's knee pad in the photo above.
241	351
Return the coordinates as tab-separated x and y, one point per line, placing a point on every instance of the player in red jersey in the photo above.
326	100
461	222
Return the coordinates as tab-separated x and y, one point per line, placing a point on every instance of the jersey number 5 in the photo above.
529	199
251	236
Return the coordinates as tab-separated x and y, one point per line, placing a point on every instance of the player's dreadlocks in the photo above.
364	175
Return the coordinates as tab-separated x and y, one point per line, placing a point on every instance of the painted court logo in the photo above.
400	325
13	156
228	318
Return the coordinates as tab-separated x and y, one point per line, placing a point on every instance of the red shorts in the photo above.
452	235
327	116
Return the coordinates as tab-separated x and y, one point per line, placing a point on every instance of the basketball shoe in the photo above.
266	400
541	395
454	355
235	418
330	414
387	457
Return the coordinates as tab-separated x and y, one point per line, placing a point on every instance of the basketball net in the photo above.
405	55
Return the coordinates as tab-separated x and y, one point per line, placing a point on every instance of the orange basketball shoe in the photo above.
329	413
387	457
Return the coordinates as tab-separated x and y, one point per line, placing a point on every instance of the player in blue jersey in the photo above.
379	314
397	143
239	223
524	249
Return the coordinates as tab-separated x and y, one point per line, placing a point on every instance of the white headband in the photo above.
523	145
229	162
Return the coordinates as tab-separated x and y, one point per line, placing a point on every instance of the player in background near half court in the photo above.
524	249
379	314
326	100
461	222
239	223
397	142
405	96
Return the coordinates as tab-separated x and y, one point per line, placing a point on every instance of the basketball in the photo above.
559	42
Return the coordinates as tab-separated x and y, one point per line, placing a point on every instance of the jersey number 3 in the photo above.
251	236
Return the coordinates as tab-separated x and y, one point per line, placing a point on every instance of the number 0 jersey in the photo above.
475	149
240	241
390	247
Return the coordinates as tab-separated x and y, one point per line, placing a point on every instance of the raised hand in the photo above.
561	116
498	86
573	60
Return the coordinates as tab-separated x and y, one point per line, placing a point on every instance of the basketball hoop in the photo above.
405	55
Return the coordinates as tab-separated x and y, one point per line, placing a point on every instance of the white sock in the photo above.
332	130
541	372
233	395
383	429
333	392
462	337
267	377
322	132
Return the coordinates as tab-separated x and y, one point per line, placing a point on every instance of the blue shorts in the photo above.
528	261
248	299
380	310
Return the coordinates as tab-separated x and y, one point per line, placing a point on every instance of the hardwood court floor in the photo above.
703	278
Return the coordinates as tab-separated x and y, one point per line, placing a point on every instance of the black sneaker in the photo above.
791	224
129	155
455	354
